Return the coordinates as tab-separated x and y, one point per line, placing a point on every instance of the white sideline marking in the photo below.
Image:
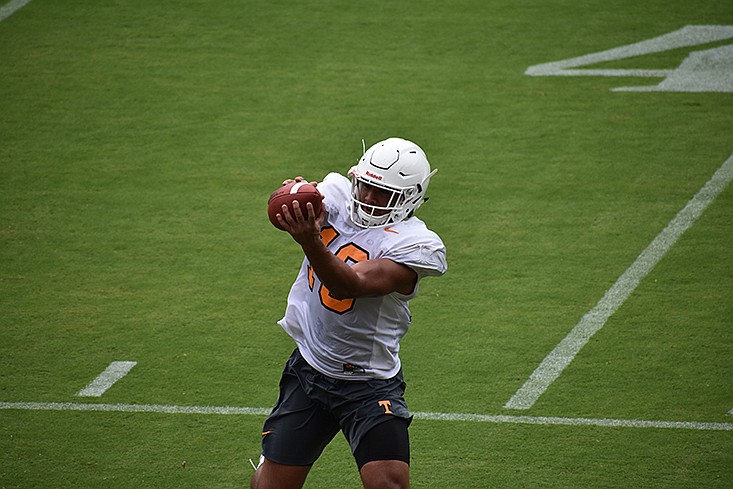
9	8
474	418
561	356
106	379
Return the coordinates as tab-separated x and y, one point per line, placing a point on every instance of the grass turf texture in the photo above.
139	144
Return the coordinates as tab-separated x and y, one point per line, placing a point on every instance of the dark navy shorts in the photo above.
312	408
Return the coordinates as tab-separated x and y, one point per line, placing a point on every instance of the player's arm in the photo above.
367	278
376	277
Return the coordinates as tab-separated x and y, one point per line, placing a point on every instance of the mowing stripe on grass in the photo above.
9	8
561	356
106	379
472	418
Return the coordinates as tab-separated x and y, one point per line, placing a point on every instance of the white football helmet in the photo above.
398	167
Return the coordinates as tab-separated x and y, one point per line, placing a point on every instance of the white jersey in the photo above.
358	338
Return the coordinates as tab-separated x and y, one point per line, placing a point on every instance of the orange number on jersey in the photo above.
352	253
347	253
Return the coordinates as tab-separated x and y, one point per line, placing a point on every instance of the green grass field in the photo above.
139	142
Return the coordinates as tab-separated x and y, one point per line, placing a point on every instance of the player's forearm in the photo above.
342	282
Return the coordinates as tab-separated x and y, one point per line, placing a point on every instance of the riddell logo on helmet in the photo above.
370	174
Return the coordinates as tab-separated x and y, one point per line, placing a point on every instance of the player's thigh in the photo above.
388	440
298	429
374	418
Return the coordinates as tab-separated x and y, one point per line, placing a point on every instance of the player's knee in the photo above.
385	474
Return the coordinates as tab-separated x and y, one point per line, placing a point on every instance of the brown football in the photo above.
303	192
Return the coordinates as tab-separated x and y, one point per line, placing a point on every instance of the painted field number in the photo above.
707	70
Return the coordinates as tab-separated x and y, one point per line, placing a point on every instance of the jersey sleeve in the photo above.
424	253
335	187
337	192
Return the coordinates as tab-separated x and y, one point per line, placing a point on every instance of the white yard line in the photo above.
552	420
131	408
473	418
106	379
9	8
564	353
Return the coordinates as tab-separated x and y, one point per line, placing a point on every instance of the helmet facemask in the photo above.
370	215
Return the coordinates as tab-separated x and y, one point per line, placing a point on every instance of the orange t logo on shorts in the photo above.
386	405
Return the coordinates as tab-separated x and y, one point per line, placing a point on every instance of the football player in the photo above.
347	311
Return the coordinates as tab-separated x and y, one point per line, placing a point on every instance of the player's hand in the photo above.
302	224
298	179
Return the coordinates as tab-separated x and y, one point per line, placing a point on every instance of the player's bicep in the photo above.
383	276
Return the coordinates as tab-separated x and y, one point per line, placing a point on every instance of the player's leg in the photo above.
271	475
375	419
385	474
383	456
294	435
